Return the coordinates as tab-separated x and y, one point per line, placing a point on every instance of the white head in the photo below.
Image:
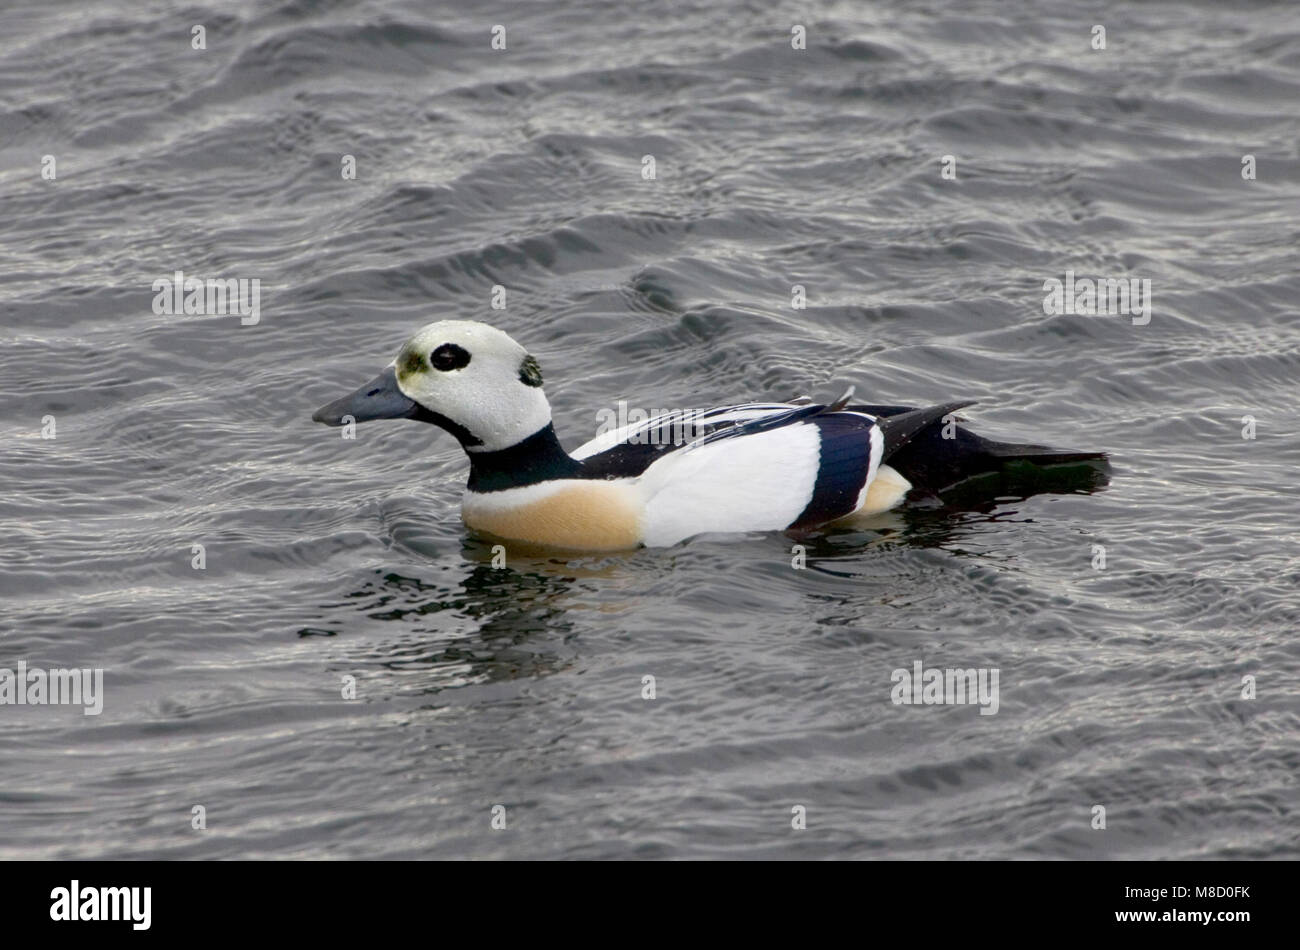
468	377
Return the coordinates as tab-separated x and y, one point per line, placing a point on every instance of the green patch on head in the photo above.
409	363
530	374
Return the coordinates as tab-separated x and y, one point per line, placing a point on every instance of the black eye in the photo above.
449	356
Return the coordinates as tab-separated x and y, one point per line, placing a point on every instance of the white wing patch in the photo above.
684	419
759	482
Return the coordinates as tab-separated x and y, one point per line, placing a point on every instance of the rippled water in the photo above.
522	686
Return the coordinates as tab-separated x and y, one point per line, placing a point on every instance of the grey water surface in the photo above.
1121	686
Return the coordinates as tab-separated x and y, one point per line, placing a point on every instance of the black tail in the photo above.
968	466
899	429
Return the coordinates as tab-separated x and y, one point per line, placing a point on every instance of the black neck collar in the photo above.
538	458
463	435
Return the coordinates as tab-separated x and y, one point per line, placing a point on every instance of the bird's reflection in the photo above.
504	618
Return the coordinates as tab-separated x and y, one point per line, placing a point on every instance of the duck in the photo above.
797	467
